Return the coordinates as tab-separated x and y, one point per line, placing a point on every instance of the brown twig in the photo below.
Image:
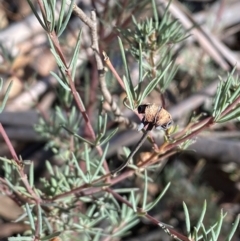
110	66
19	165
171	232
92	24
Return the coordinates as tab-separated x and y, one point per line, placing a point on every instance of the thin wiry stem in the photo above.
174	234
19	165
92	24
76	96
110	66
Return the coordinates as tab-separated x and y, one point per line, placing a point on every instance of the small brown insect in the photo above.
155	115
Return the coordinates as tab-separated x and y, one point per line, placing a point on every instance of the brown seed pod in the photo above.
155	115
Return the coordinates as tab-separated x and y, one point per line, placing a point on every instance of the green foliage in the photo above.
6	94
6	53
151	43
49	22
200	232
77	200
153	34
226	102
53	131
